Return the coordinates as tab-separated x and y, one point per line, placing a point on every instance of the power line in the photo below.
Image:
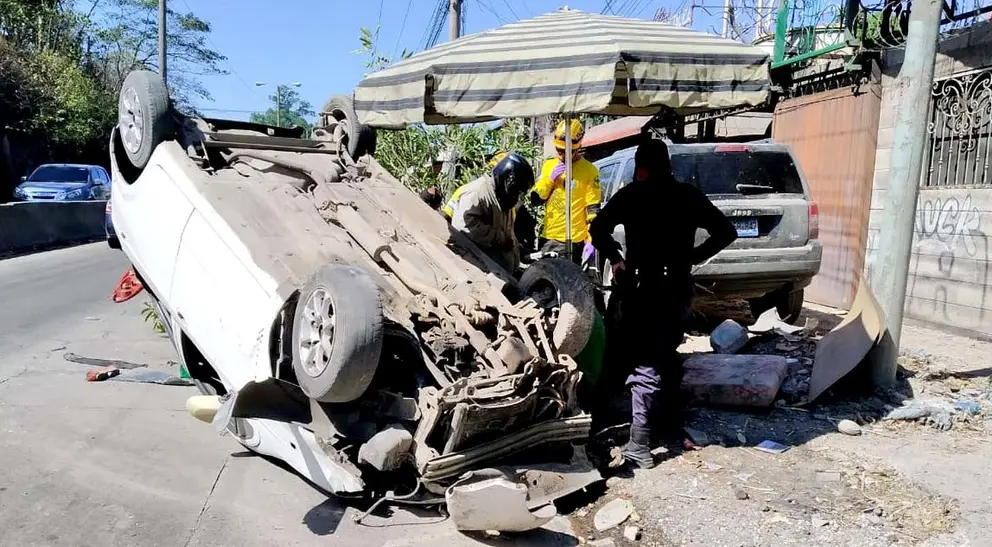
512	12
396	48
488	6
608	6
226	60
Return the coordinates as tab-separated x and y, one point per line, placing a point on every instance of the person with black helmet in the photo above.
485	209
653	284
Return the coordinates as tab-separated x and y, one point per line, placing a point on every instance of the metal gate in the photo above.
833	135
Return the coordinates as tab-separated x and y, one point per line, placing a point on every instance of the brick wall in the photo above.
950	273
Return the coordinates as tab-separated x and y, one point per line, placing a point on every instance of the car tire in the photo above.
144	116
574	298
360	138
790	306
336	364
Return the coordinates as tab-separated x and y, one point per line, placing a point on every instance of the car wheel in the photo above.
337	334
144	118
359	139
790	306
560	283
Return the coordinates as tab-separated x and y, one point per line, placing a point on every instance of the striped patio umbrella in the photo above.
570	62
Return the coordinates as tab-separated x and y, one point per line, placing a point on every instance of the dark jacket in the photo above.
660	218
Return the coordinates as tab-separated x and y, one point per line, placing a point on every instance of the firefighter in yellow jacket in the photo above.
586	195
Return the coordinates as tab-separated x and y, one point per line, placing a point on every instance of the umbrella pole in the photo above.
568	186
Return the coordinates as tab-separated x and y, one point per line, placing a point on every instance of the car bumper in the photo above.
750	273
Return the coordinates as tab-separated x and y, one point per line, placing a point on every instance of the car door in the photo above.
149	212
100	183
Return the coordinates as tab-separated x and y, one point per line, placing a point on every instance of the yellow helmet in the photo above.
577	131
497	158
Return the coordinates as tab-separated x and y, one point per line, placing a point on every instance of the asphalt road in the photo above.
113	463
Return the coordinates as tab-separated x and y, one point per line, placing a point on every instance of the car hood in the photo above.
53	186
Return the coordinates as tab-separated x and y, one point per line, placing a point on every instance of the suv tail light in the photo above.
732	148
814	220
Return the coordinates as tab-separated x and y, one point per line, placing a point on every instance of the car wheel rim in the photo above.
131	120
317	333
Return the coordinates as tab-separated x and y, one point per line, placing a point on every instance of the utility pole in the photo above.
727	8
162	61
454	19
278	99
895	238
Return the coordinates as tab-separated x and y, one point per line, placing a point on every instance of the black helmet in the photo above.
513	176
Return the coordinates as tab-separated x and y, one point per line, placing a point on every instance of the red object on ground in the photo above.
128	287
101	374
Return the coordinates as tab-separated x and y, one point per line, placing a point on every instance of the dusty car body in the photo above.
343	327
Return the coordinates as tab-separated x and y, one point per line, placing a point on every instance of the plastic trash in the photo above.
968	407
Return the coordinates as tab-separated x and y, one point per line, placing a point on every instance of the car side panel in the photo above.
148	216
219	304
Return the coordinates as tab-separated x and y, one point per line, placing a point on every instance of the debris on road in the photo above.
849	427
632	533
968	407
93	362
728	338
734	380
152	377
387	449
771	447
101	374
846	346
699	438
769	322
612	514
127	287
605	542
488	499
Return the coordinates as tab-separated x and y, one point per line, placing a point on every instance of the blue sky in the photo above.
312	41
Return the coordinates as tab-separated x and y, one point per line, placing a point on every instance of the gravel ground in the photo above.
899	483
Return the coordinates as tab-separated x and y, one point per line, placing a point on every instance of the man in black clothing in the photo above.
654	281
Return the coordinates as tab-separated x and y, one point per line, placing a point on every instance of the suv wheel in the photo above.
358	139
559	283
790	306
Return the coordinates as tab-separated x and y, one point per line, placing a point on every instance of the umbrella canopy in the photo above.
566	61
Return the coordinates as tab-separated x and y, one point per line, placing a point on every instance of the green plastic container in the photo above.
183	373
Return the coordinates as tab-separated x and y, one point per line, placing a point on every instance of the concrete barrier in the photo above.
28	226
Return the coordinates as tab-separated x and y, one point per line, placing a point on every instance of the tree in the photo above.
129	41
289	110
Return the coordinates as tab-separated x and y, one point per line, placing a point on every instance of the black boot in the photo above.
637	450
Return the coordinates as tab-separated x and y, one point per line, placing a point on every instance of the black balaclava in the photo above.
651	161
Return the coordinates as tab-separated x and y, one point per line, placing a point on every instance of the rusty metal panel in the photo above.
833	135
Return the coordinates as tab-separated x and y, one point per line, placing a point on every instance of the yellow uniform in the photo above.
449	206
586	197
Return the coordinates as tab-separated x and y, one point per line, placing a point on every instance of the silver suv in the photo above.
761	189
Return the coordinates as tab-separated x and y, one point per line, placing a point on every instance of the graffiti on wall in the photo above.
950	254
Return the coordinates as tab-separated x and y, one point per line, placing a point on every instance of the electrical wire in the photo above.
227	61
512	12
487	5
406	14
608	6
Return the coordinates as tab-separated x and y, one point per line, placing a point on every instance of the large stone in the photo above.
612	514
734	380
728	337
386	449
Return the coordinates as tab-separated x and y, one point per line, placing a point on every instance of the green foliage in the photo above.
368	41
150	315
128	40
75	108
288	110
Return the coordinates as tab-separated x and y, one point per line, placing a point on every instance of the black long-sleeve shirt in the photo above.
660	219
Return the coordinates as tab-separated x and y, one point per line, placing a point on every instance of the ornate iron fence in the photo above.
960	131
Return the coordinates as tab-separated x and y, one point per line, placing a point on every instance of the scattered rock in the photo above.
818	522
632	533
728	337
878	511
712	466
605	542
741	494
612	514
849	427
734	380
699	438
387	449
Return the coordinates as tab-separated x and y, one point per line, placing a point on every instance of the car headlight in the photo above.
19	193
74	194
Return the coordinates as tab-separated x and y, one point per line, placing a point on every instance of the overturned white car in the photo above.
334	321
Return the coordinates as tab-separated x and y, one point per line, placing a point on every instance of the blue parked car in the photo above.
64	182
108	227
